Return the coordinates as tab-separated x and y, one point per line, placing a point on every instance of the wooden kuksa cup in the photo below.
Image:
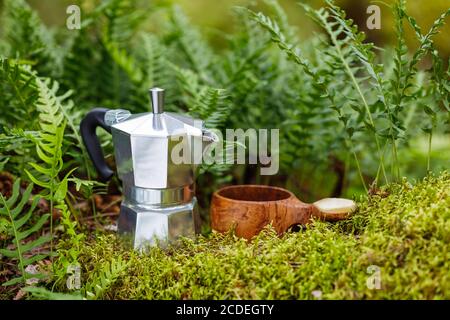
249	208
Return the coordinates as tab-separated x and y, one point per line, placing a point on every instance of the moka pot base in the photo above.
143	226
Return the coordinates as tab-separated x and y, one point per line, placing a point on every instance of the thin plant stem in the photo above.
366	105
358	166
430	138
363	98
372	123
51	224
379	165
395	166
72	210
16	238
360	172
396	159
346	170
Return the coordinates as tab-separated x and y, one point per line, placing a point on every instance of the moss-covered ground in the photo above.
400	236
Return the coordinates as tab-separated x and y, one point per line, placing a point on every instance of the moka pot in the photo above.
159	191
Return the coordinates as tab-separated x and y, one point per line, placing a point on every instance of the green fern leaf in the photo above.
191	45
18	94
12	211
30	39
107	275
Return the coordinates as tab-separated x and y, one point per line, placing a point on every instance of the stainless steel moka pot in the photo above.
159	200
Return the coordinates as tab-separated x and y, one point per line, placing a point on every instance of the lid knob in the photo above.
157	98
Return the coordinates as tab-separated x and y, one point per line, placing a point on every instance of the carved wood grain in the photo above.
249	208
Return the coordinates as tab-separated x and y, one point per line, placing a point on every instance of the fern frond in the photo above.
108	273
323	80
406	69
68	252
214	106
30	39
49	146
123	60
247	61
13	210
401	51
80	69
152	57
441	78
123	19
19	94
426	46
191	45
349	50
293	52
54	108
281	18
365	55
203	102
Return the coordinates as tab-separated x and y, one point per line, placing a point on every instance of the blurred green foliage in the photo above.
219	16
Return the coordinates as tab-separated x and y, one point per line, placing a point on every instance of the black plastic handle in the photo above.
88	126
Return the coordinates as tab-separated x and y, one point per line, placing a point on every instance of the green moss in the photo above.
405	232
